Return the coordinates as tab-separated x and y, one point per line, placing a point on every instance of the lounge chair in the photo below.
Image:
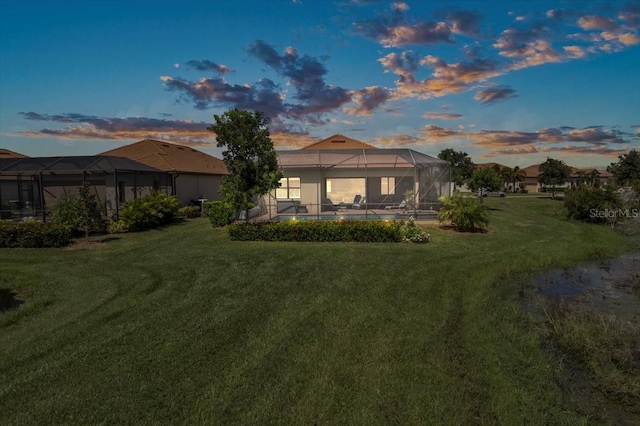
359	202
328	206
401	206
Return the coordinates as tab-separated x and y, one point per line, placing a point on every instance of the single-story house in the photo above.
30	186
342	173
195	175
578	175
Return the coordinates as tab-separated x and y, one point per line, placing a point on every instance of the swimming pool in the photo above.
282	218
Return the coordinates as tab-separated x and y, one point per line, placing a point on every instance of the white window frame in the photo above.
288	191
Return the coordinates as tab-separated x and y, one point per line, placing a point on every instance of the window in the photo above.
344	190
387	185
289	188
121	193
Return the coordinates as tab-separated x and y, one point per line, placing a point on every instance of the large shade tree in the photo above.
461	165
249	156
627	170
554	172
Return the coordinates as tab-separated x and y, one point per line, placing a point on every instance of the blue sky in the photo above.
507	82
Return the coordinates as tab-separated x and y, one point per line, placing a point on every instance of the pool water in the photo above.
282	218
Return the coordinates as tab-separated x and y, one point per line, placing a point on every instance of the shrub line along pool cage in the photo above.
30	186
367	183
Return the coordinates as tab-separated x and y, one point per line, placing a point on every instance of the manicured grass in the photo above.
181	325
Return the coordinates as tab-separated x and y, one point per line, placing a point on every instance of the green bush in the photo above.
189	211
318	231
116	227
220	213
33	234
81	212
593	205
149	212
466	214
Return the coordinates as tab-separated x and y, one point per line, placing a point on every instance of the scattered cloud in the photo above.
441	115
495	94
206	65
84	127
592	135
367	100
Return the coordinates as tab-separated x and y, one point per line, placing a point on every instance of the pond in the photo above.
611	286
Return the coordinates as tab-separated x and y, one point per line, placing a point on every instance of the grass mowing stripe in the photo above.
182	325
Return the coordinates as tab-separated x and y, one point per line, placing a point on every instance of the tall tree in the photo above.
461	165
554	172
627	169
249	156
514	176
485	178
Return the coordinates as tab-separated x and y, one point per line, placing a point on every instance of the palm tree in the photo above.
506	174
517	176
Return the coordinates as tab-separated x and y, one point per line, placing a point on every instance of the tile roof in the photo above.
339	142
170	157
6	153
490	166
532	171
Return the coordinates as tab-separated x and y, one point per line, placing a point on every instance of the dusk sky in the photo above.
512	82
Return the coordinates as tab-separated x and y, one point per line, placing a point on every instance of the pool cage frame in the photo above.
428	177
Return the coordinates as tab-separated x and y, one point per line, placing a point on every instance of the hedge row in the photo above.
318	231
33	234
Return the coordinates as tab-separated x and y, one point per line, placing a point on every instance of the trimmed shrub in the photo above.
189	211
592	204
466	214
149	212
318	231
220	213
31	234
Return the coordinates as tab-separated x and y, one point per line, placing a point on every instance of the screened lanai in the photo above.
30	186
361	182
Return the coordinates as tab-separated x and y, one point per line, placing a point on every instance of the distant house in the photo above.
195	174
577	175
342	173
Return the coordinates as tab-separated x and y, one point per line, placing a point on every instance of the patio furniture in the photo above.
328	206
401	206
359	202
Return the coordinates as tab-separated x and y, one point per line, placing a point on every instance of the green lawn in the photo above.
181	325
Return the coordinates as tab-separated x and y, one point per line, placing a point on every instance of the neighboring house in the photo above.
6	153
195	175
343	173
586	175
30	186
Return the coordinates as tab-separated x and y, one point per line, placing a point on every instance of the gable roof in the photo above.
170	157
532	171
6	153
339	142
